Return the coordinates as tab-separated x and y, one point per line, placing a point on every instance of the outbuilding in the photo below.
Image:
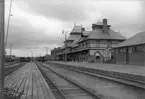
131	51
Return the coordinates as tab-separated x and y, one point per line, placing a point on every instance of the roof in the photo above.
74	43
63	47
99	23
86	33
99	34
77	29
81	39
73	37
139	38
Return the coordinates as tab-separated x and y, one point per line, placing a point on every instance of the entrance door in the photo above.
127	56
97	56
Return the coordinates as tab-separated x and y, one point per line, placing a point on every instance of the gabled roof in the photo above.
134	40
77	29
73	37
99	34
75	33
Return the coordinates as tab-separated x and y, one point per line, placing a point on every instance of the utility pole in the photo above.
65	49
11	52
2	36
8	24
32	55
46	50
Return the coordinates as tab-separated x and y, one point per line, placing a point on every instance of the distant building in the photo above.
131	51
11	58
48	57
91	45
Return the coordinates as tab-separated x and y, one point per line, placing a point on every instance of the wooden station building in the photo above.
131	51
90	46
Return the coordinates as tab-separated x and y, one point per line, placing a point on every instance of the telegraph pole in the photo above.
2	36
32	55
8	24
11	52
46	50
65	49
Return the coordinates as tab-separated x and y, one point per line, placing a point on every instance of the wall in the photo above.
121	58
137	58
93	57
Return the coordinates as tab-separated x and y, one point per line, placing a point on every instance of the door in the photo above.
127	56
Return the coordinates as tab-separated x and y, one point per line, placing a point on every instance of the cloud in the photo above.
36	24
61	10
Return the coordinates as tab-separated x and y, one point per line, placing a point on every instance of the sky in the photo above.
37	24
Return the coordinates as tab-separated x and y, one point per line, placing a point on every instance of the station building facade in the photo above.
91	46
131	51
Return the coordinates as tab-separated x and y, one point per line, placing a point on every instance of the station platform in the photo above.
131	69
28	79
132	72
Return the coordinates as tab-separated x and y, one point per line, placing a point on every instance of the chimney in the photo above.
105	27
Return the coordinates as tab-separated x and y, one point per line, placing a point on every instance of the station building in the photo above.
131	51
90	46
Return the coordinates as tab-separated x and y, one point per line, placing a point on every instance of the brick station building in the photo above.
131	51
92	45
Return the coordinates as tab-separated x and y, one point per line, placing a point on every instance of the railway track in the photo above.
9	70
64	88
124	80
9	64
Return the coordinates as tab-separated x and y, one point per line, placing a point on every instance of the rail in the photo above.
87	90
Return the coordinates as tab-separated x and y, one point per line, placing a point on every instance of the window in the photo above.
109	44
134	49
87	44
122	50
140	48
98	42
92	42
103	41
115	42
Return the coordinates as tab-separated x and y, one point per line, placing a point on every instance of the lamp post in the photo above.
2	36
65	45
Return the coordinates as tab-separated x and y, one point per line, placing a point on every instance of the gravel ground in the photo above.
107	89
